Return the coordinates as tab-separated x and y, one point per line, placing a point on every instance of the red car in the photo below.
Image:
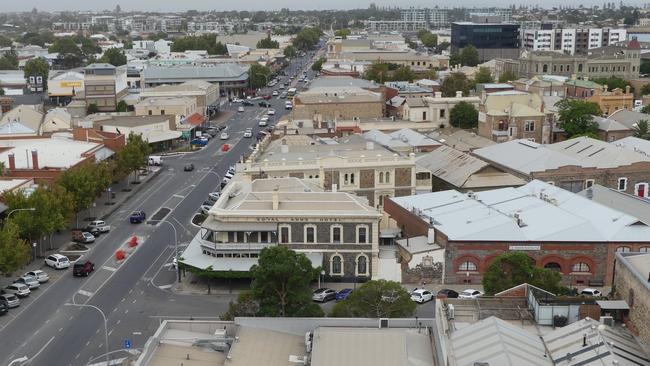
267	97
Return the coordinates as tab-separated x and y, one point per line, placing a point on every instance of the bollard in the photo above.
133	241
225	147
119	255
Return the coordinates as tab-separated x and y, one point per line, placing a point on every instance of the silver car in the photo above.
10	300
41	276
30	281
18	289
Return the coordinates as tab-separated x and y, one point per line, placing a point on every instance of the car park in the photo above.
343	294
101	225
83	269
591	292
421	295
10	300
248	133
29	281
224	136
137	217
18	289
57	261
188	167
240	109
446	293
470	294
41	276
324	295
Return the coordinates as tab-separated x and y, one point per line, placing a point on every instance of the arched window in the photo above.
623	249
336	265
580	267
545	68
554	266
645	250
387	177
352	178
467	266
381	177
362	265
345	179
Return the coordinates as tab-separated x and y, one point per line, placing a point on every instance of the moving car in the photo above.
470	294
237	100
283	95
247	102
18	289
446	293
240	109
40	276
263	122
224	136
188	167
275	93
57	261
271	112
288	105
101	225
264	104
591	292
30	281
421	295
83	269
137	217
10	300
324	295
248	133
343	294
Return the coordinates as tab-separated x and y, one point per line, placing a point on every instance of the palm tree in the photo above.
642	130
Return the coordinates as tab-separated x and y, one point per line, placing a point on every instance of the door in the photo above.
641	189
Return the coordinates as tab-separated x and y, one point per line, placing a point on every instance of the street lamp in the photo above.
178	267
19	361
105	325
20	209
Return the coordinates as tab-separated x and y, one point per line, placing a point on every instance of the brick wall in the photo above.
367	178
629	288
411	224
402	177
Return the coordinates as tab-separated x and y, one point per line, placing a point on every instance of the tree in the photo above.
442	46
5	42
14	251
454	59
576	117
453	83
403	73
612	82
37	67
507	76
7	64
645	67
378	72
343	33
645	90
281	283
92	108
81	184
290	51
515	268
641	129
267	43
427	38
646	109
463	115
483	75
259	75
469	56
122	106
307	38
246	305
431	74
133	155
318	64
376	299
114	56
204	42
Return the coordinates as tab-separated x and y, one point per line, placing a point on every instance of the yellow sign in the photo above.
71	84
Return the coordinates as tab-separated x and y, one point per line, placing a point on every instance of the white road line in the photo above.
85	293
118	321
87	343
40	350
124	298
109	268
60	329
71	316
111	332
77	356
134	301
126	311
178	196
100	345
164	287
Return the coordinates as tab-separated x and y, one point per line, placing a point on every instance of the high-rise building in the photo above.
492	40
571	40
434	17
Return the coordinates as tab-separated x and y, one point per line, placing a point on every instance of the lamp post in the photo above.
105	325
20	209
19	361
178	268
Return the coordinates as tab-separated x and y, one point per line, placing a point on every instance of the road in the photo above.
50	331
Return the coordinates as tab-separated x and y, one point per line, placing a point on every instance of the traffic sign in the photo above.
127	343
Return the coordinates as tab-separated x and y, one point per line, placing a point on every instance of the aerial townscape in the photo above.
324	183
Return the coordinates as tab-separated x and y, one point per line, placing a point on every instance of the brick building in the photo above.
559	230
325	104
632	284
610	101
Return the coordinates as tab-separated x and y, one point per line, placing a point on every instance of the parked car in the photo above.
237	100
446	293
94	231
10	300
188	167
421	295
283	95
470	294
271	112
82	236
324	295
248	133
247	102
205	209
83	269
200	141
18	289
57	261
343	294
30	281
591	292
264	104
288	105
263	122
266	97
4	309
101	225
155	160
214	196
229	175
240	109
137	217
224	136
41	276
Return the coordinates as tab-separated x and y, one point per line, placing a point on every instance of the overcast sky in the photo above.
180	5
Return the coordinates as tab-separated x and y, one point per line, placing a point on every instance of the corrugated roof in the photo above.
224	72
451	165
628	118
630	204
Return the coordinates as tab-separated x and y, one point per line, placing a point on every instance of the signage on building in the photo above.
71	84
482	117
524	247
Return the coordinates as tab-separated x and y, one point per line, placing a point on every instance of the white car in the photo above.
100	225
470	294
57	261
205	209
263	122
421	295
17	289
248	133
275	93
591	292
240	109
237	100
224	136
229	174
41	276
214	196
288	105
271	112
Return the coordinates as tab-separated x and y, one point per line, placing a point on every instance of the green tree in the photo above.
453	83
515	268
645	67
290	51
246	305
38	39
483	75
403	73
80	182
7	64
37	67
455	60
158	36
281	283
204	42
430	74
378	72
318	64
576	117
307	38
463	115
376	299
507	76
343	33
122	106
612	82
267	43
641	129
259	75
469	56
442	46
427	38
114	56
5	42
646	109
14	251
92	108
133	155
645	90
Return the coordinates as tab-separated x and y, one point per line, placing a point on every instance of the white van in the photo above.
155	160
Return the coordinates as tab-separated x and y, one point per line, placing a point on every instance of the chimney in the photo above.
284	148
627	89
438	95
276	200
370	145
459	94
605	87
12	161
35	159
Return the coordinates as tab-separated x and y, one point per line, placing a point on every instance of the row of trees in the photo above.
75	51
268	43
382	72
427	38
57	204
307	38
204	42
467	57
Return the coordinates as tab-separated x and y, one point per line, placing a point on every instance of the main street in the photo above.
50	330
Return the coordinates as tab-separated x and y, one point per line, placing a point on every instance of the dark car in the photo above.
446	293
264	104
267	97
83	269
94	231
343	294
137	217
247	102
3	309
188	167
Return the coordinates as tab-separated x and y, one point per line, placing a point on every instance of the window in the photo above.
623	249
387	176
467	267
381	177
442	113
264	236
310	234
589	183
362	265
162	111
622	184
580	267
553	266
529	126
150	112
352	178
362	234
423	176
545	68
645	250
336	234
285	236
336	265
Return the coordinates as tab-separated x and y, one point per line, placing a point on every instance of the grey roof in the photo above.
100	66
627	117
497	342
621	201
635	144
608	124
414	138
462	140
342	81
218	72
638	264
132	121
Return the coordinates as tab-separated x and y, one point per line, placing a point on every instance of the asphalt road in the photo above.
50	331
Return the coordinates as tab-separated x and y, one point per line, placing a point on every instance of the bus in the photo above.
291	92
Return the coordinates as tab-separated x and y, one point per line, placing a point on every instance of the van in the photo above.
155	160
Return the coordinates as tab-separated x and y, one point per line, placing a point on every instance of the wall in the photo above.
630	288
338	111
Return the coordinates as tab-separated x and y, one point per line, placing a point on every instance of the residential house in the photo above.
509	115
435	110
581	88
539	86
611	130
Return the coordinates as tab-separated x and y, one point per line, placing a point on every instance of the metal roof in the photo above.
613	304
218	72
621	201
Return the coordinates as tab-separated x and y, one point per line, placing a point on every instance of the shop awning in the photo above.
613	305
158	136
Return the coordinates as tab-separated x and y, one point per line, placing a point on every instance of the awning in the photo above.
215	225
613	304
158	136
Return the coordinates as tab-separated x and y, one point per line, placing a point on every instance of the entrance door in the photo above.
642	189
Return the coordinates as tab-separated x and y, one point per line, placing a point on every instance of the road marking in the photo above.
109	268
118	321
177	196
164	287
137	333
71	316
47	321
126	311
97	331
134	301
130	291
124	298
41	350
100	345
87	343
111	332
60	329
85	293
37	331
77	356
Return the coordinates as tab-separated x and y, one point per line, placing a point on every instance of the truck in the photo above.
155	160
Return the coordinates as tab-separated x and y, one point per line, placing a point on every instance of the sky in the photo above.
251	5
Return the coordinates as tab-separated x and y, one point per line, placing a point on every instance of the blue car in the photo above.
137	217
343	294
199	142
